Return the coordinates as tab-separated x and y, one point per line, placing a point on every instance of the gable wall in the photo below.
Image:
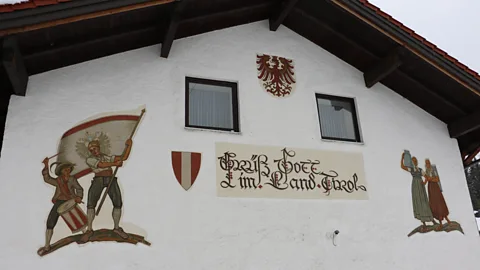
197	229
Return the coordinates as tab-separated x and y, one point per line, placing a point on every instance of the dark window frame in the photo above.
356	126
235	114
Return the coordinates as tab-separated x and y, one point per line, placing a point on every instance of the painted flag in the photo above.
186	166
111	130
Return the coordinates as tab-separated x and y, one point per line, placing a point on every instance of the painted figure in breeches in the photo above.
101	165
66	188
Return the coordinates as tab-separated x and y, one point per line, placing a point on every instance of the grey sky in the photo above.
451	25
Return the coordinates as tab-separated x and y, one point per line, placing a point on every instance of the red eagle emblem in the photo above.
276	74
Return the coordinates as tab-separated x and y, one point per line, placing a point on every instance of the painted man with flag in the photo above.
101	164
98	145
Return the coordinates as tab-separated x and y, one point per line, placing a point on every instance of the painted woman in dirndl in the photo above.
420	203
435	196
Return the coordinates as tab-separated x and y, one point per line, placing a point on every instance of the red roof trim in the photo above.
420	38
29	5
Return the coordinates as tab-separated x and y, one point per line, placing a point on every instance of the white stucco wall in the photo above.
198	230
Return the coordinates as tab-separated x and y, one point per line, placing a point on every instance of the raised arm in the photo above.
46	175
125	155
403	165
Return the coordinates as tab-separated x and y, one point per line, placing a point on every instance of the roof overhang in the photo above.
50	37
68	12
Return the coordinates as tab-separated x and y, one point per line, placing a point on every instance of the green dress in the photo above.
421	206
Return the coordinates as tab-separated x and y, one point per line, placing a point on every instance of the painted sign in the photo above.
96	147
186	166
276	75
427	208
282	172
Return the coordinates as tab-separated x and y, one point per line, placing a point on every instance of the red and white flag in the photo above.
186	166
111	130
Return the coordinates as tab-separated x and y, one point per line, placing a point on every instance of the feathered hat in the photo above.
61	166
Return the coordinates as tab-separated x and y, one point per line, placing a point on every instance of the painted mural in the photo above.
279	172
429	205
88	158
186	166
276	75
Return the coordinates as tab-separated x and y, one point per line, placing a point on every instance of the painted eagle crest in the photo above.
81	146
276	74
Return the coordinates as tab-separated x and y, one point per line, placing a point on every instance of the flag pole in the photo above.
54	155
116	168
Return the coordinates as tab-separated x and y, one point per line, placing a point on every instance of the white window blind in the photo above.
337	119
210	106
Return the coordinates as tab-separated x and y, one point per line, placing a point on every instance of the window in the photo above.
338	118
211	104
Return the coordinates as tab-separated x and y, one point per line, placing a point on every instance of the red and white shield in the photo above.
186	166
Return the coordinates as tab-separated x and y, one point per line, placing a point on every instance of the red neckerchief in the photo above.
63	188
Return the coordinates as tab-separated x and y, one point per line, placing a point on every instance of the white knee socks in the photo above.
90	217
116	214
48	237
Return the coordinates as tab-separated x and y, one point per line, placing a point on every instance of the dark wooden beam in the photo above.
128	37
383	68
70	12
285	8
464	125
350	50
469	144
172	28
4	101
434	94
413	44
468	160
224	19
13	66
82	49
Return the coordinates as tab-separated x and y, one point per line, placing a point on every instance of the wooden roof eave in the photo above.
42	17
467	123
321	26
414	45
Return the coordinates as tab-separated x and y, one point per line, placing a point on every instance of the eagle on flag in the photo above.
98	145
110	130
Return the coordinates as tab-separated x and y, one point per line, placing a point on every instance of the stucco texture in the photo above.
197	229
